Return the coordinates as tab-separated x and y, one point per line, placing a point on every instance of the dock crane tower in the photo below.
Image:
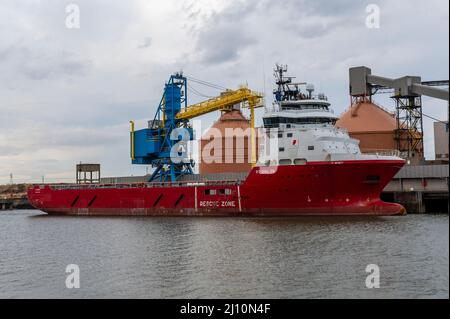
163	145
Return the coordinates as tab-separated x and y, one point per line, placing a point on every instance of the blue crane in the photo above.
163	145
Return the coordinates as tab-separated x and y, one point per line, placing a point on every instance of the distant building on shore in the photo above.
441	141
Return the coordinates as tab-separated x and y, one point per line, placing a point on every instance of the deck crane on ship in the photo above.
163	145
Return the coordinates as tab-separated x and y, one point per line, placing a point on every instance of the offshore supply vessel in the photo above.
309	166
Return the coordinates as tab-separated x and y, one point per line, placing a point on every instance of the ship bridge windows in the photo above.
274	122
305	106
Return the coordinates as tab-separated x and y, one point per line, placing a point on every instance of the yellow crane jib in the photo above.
225	101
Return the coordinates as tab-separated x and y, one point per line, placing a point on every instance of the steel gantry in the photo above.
407	93
163	145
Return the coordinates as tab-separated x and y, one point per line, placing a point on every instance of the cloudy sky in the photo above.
67	94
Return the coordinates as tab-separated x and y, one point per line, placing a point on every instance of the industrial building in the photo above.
441	141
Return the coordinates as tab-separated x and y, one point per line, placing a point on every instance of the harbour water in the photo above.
223	257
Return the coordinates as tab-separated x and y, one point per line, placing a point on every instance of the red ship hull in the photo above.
317	188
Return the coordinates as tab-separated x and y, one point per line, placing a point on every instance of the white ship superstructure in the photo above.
304	126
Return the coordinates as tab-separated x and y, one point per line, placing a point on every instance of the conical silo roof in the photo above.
367	117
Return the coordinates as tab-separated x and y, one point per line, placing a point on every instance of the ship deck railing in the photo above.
382	152
140	185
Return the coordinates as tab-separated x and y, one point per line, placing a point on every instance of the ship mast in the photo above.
286	91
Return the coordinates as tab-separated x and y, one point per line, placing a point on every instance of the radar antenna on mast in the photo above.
287	90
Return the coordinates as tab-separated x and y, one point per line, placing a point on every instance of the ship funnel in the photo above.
310	89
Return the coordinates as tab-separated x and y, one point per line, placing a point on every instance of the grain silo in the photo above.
374	127
226	147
